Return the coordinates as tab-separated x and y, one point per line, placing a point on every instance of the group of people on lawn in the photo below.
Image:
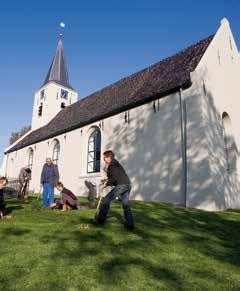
116	178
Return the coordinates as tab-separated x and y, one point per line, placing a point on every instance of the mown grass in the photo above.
171	249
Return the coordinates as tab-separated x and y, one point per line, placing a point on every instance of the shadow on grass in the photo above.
14	231
161	231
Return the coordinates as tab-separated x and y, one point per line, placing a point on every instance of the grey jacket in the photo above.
23	175
50	175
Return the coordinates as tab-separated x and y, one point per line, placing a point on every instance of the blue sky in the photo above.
103	42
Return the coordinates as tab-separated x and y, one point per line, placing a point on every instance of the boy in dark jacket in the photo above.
117	177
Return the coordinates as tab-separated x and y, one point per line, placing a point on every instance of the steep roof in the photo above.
151	83
58	69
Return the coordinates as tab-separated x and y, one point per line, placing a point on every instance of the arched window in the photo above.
230	146
56	152
30	158
94	152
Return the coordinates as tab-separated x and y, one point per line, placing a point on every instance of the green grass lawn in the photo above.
171	249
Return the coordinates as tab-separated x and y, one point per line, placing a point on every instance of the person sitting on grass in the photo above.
116	177
3	183
68	199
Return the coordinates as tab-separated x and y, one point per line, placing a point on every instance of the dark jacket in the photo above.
2	203
50	175
69	193
116	174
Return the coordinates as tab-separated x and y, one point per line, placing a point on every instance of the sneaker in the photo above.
52	206
97	222
129	226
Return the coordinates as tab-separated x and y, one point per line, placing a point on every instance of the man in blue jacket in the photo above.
49	178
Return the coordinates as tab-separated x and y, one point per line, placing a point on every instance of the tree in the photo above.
16	135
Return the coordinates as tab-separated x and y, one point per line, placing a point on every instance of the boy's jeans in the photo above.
122	192
48	195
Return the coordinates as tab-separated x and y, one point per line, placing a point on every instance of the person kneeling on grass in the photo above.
3	183
68	199
116	177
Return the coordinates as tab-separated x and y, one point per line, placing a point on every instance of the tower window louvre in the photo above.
40	108
42	94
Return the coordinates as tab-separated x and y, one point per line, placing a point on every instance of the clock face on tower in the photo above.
64	94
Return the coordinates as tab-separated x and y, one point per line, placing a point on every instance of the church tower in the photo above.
55	93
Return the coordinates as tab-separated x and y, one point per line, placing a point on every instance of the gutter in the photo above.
183	125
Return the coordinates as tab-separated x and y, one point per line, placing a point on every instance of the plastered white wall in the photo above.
216	80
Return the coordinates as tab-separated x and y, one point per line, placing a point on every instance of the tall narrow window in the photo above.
30	158
230	145
94	152
56	152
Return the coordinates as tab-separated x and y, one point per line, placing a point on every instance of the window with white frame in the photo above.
30	158
56	152
94	152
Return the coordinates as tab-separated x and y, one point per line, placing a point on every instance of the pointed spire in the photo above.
58	69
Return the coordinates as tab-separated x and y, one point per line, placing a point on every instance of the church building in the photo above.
175	127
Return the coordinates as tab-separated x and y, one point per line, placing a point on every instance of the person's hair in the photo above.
109	154
28	170
59	184
4	179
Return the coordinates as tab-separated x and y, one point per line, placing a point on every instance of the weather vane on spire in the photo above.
62	25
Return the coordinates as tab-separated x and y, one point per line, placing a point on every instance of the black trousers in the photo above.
122	192
2	204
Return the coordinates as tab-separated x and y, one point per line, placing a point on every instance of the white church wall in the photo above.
200	189
3	166
218	77
148	146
